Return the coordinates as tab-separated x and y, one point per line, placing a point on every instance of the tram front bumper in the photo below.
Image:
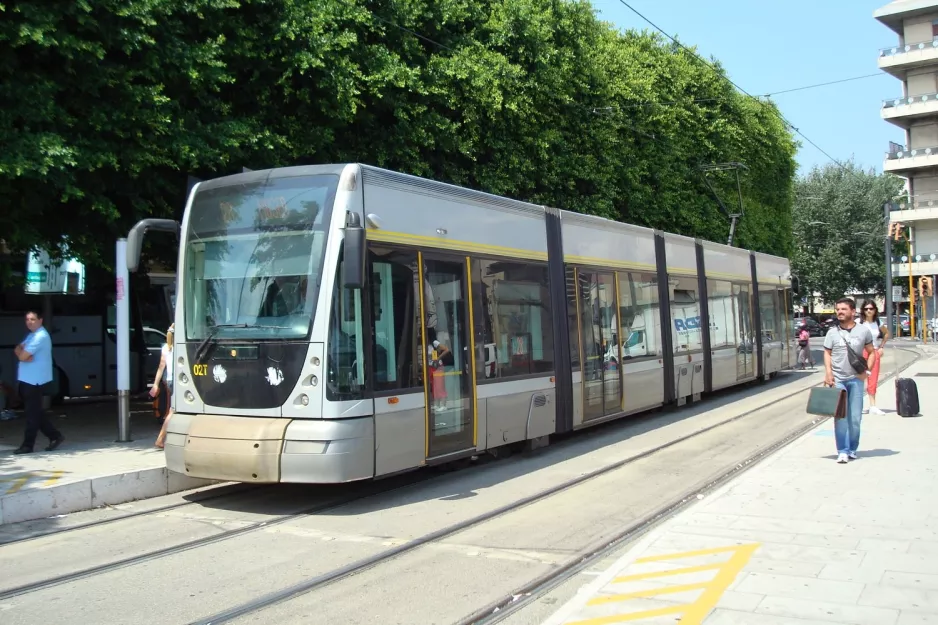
270	450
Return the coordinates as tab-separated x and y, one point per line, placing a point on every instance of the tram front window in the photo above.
254	255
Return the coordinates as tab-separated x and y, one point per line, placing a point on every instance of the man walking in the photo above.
35	371
848	358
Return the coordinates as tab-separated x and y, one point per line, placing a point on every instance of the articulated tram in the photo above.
344	322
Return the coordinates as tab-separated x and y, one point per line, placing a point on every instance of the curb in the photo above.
90	493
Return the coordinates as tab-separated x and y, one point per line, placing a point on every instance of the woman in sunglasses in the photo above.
869	316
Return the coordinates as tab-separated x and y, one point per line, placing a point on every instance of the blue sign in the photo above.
691	323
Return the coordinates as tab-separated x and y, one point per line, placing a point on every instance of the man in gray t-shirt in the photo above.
859	336
839	373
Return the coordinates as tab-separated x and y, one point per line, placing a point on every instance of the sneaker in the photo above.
852	455
875	410
842	459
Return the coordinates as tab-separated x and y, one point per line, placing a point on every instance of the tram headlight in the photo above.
183	378
315	361
190	397
304	399
313	380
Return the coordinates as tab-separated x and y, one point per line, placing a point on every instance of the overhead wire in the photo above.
823	84
729	80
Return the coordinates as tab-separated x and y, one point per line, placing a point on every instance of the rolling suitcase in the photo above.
906	397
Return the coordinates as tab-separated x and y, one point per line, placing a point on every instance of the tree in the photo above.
840	229
109	105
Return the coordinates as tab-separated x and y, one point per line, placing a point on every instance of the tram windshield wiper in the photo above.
210	338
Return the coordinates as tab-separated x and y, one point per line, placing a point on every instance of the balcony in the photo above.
906	160
901	111
896	60
917	208
922	265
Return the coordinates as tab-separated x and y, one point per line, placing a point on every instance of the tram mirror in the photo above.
353	262
136	234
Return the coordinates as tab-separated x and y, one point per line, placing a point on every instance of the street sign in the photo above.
42	276
896	292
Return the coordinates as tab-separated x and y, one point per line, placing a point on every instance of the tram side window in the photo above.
768	305
722	314
395	308
639	315
786	303
744	303
345	365
685	315
516	319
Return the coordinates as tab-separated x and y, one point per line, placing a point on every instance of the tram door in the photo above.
599	336
447	350
746	350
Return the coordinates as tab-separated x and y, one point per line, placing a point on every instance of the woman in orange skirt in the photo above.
869	316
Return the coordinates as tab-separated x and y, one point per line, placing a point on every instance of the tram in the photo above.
345	322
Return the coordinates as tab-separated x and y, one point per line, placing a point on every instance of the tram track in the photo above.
370	489
569	568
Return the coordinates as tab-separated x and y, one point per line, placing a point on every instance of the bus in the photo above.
84	340
345	322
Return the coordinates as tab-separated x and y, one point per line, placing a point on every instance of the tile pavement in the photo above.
844	544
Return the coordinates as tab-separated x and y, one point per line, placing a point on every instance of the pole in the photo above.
123	343
911	291
934	306
729	241
924	320
888	274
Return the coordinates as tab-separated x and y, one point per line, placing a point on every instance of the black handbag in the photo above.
858	364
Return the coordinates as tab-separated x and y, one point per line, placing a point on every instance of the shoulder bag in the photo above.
858	364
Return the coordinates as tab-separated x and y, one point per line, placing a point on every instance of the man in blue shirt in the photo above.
35	371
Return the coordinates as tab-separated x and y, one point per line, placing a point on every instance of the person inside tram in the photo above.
439	357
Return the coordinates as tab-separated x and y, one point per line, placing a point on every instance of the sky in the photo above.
768	46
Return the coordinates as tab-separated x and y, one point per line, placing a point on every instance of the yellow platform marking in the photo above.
15	483
692	613
53	478
653	592
654	574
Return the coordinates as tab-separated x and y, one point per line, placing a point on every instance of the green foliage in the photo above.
108	105
840	230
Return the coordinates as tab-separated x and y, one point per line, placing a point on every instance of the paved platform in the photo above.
90	469
797	540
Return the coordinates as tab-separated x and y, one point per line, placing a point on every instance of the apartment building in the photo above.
913	60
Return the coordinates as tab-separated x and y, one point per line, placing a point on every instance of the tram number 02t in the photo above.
199	369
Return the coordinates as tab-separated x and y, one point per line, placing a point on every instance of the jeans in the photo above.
36	419
847	429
